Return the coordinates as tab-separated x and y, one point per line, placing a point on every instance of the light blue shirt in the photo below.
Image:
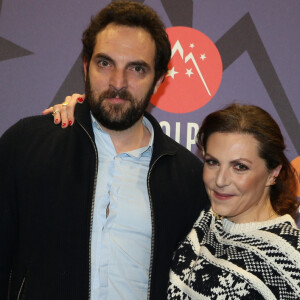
121	242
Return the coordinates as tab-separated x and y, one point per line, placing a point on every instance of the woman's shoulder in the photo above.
286	228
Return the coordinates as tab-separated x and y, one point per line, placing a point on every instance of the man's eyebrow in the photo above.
141	63
104	56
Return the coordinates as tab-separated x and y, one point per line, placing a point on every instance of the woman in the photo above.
247	246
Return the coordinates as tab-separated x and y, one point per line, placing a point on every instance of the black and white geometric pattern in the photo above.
222	260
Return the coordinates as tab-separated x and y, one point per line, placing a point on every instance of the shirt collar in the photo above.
144	151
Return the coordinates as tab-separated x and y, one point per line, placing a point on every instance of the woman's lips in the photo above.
222	196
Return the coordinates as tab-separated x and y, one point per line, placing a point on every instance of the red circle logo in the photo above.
194	75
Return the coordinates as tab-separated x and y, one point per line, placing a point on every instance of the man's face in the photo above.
120	76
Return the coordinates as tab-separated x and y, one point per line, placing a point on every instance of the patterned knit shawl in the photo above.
223	260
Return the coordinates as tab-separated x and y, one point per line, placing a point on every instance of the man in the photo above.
95	211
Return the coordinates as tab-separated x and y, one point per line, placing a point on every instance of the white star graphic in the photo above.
189	72
192	45
202	56
172	73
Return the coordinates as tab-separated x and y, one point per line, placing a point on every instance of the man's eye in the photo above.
139	69
103	63
240	167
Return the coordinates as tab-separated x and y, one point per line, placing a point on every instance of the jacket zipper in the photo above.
92	215
21	288
153	227
92	207
9	284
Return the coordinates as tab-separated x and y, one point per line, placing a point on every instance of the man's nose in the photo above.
118	80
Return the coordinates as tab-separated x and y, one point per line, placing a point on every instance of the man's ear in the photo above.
273	175
158	83
85	68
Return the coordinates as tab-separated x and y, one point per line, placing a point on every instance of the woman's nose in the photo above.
222	177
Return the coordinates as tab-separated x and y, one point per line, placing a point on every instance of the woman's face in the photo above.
236	178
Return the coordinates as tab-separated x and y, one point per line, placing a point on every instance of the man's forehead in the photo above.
125	40
113	29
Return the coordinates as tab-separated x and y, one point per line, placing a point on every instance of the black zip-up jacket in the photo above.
47	187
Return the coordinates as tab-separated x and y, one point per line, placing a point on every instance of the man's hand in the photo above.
64	113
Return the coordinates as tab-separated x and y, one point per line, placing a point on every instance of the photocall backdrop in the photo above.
222	51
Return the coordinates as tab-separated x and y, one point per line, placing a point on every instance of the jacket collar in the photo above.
83	116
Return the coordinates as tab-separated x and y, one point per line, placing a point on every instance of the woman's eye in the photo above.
240	167
211	162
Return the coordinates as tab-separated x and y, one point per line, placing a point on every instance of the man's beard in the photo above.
118	116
